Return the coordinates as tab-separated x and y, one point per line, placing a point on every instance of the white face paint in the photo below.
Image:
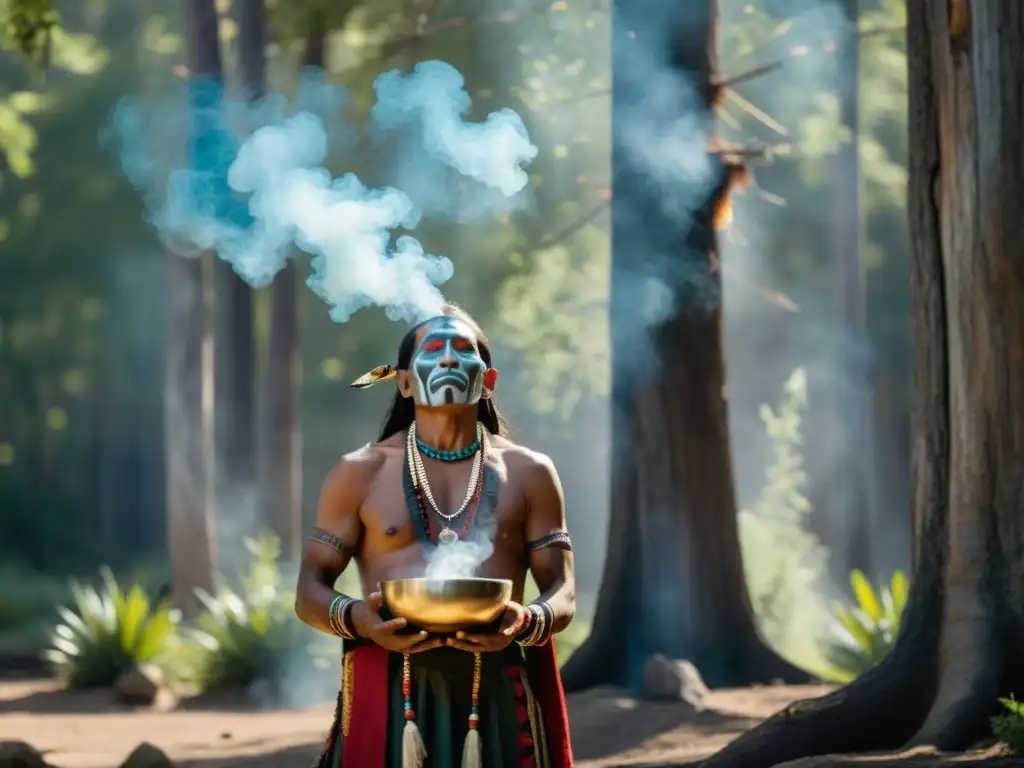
446	367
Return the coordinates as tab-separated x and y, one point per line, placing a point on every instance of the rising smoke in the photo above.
254	202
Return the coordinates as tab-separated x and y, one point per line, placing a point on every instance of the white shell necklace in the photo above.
419	474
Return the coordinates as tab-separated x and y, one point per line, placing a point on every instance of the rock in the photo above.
668	679
18	754
147	756
139	686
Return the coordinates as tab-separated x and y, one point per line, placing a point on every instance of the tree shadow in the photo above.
54	700
58	701
605	722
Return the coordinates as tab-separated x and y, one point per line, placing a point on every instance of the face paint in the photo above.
447	368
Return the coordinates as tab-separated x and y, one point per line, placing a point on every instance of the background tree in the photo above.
674	580
188	395
281	430
966	193
846	505
234	348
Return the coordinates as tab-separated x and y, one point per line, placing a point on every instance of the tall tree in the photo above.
281	435
234	350
848	491
673	580
189	428
963	629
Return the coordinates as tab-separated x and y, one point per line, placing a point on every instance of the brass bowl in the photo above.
447	605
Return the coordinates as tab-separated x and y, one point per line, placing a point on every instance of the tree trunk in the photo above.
964	623
234	349
673	580
281	441
848	495
189	384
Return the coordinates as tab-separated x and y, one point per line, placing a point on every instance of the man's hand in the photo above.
514	621
369	624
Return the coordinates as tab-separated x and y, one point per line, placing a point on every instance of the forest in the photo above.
759	301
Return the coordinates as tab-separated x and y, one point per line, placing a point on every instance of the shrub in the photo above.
867	631
108	631
1008	726
783	562
250	635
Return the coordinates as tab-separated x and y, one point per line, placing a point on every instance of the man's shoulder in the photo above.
362	464
523	459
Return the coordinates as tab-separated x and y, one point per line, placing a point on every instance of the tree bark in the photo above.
189	384
234	348
281	441
673	581
964	623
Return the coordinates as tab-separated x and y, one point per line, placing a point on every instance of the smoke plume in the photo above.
254	202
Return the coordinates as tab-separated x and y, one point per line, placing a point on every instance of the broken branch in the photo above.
750	74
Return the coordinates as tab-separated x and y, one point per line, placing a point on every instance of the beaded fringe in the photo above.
414	751
472	750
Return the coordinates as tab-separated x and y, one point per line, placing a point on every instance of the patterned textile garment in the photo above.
368	725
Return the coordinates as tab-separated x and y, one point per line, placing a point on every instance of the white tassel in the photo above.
473	751
414	751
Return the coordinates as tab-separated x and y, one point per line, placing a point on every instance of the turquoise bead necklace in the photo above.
460	455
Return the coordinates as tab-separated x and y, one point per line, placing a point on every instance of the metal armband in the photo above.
558	539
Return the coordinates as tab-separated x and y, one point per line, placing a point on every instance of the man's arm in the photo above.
333	542
547	541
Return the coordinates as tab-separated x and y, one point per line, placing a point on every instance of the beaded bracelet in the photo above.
538	631
530	627
338	617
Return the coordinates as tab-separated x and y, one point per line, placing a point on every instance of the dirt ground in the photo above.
88	730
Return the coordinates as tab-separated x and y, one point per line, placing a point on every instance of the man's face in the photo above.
446	368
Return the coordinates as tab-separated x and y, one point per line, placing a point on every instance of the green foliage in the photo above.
107	631
32	28
1008	726
249	635
867	630
27	26
783	561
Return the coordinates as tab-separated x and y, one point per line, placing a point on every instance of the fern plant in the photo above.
249	635
107	631
1008	726
866	631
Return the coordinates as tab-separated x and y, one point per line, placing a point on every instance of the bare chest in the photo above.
390	515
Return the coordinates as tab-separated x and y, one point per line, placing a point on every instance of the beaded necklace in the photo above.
424	495
460	455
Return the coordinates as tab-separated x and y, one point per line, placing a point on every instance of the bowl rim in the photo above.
425	580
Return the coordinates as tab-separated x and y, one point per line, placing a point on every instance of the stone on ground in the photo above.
666	679
139	686
147	756
18	754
